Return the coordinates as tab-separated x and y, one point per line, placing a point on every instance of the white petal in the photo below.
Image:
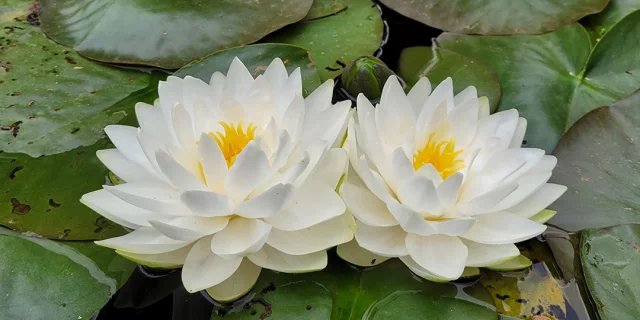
518	136
273	259
312	204
353	253
117	210
151	119
166	260
452	227
527	185
125	139
419	94
189	228
203	269
276	73
327	124
448	190
366	207
484	255
429	171
238	284
330	168
150	196
214	165
464	95
267	203
401	165
378	187
250	169
539	200
217	81
486	202
207	204
180	177
239	79
293	118
283	150
144	240
485	109
503	228
411	221
318	237
420	194
124	168
442	94
320	98
420	271
183	126
444	256
384	241
293	174
240	238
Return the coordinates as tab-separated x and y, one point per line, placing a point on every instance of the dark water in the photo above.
551	287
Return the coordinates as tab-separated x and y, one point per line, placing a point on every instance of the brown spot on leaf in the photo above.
34	17
100	223
308	307
75	130
53	203
14	128
270	287
5	67
19	208
69	60
13	172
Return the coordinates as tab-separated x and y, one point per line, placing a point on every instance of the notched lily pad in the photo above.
163	34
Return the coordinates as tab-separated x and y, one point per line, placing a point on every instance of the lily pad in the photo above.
418	62
46	279
341	292
256	58
611	263
323	8
14	9
336	40
51	99
614	12
598	162
162	34
56	103
555	78
496	17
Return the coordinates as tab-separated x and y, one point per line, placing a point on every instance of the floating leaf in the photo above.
44	279
51	99
611	263
336	40
323	8
614	12
256	58
598	162
418	62
163	34
342	292
14	10
496	17
553	79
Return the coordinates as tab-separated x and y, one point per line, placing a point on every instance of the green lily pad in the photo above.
323	8
496	17
56	103
418	62
341	292
611	264
46	279
614	12
163	34
555	78
336	40
10	10
597	161
256	58
51	99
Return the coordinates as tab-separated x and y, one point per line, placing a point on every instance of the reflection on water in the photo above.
343	291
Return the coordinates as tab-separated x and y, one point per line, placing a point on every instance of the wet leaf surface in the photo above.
555	78
600	22
323	8
336	40
611	262
45	279
163	34
496	17
598	162
417	62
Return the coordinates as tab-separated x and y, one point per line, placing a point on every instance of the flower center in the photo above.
441	154
233	139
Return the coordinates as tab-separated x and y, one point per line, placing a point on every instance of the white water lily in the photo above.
440	183
228	178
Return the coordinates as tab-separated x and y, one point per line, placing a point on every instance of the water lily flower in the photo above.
440	183
228	178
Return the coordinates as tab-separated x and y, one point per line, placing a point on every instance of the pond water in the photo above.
550	289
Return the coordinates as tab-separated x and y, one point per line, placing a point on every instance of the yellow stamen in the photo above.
233	140
441	154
